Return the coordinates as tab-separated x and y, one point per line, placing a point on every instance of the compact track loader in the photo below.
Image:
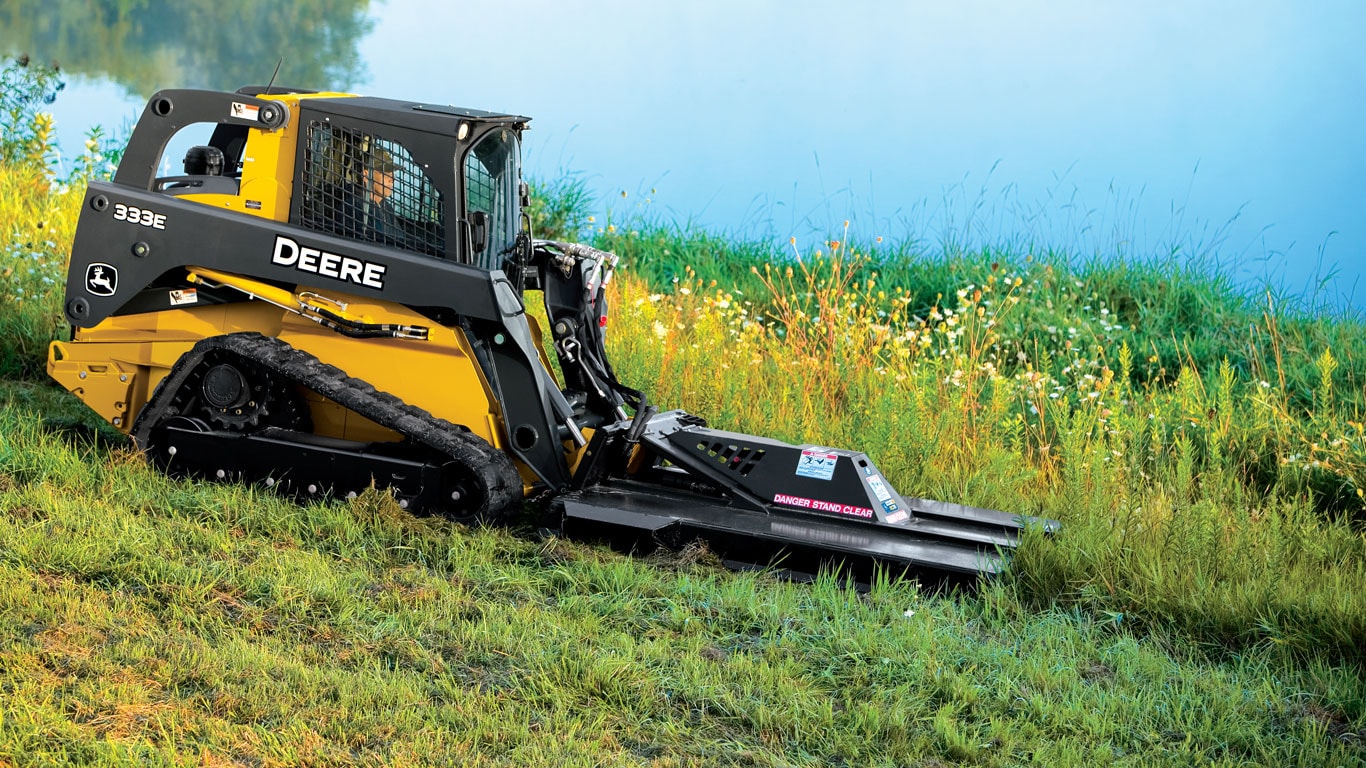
332	294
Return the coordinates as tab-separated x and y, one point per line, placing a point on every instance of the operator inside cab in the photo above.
379	219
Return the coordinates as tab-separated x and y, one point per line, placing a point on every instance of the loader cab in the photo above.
435	180
363	183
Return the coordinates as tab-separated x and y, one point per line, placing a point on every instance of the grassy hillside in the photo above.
1204	604
144	621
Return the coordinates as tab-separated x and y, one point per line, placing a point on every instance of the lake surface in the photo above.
1231	131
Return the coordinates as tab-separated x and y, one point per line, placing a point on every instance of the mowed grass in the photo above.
147	622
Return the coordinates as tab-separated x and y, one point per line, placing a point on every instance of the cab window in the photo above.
366	187
491	179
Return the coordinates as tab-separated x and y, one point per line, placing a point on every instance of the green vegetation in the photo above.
1204	604
1221	496
144	621
37	216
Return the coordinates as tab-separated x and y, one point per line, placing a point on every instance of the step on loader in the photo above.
331	293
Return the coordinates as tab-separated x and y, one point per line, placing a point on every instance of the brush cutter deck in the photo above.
756	499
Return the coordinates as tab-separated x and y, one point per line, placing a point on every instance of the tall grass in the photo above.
1177	311
1214	500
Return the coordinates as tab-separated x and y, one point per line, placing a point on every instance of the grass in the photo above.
1204	604
153	622
1212	502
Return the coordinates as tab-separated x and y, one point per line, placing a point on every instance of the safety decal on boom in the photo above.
245	111
817	463
879	488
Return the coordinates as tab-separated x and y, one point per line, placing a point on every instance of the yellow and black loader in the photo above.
332	294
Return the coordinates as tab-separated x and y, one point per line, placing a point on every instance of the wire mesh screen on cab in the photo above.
364	187
480	185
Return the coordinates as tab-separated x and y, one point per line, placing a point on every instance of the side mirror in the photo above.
479	231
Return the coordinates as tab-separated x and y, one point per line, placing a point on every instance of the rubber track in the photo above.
492	467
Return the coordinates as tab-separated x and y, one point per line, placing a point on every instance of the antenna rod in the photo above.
273	76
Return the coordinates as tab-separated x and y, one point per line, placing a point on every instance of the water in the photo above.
1227	131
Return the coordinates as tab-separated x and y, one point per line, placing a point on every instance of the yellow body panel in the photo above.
267	167
115	366
438	375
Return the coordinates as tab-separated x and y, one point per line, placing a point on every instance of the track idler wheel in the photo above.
226	391
476	496
161	453
229	399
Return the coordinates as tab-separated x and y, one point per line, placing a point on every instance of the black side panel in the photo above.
797	542
171	233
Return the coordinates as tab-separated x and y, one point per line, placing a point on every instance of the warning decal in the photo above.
245	111
879	488
818	463
181	296
823	506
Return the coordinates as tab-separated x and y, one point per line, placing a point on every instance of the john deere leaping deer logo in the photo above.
101	279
